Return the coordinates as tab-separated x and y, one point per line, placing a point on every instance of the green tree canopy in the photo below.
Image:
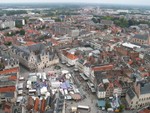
8	43
121	108
22	32
107	105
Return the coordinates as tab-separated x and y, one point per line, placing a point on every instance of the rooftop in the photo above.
145	88
141	36
129	45
131	93
7	71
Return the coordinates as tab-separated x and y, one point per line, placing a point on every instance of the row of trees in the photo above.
7	12
21	32
122	22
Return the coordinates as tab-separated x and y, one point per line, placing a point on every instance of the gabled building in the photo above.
8	63
101	92
9	73
99	68
37	56
8	80
7	24
100	89
69	56
125	86
55	104
142	39
147	58
139	95
109	87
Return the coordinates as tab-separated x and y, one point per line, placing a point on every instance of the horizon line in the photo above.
74	3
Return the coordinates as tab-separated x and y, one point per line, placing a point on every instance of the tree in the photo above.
10	34
94	20
22	32
19	25
57	20
121	108
121	22
8	43
107	105
1	65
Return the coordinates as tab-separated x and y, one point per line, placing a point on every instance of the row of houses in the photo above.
9	75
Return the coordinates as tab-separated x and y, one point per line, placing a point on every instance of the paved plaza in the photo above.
90	99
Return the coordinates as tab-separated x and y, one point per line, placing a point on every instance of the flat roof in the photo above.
129	45
105	81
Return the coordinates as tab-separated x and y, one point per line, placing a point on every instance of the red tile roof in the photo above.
145	111
110	86
130	62
29	43
36	105
7	108
7	89
12	78
103	68
43	105
8	39
13	70
71	56
141	68
137	59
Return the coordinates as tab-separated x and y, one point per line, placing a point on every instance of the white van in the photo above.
110	109
83	107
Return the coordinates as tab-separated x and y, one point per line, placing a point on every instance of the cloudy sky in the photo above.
132	2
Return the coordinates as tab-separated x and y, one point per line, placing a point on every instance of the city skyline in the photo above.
123	2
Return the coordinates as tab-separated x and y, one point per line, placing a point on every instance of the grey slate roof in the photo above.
141	37
147	57
36	47
101	88
145	88
131	93
49	111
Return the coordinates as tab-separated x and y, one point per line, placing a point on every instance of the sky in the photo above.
131	2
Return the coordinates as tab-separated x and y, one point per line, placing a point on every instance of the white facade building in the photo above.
6	24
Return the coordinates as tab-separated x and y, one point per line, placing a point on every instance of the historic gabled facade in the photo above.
38	56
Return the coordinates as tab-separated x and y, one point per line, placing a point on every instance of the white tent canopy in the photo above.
65	71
